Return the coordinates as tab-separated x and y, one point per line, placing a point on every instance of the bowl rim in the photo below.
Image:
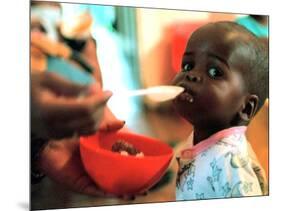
115	154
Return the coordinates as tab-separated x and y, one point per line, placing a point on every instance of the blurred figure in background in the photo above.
58	47
257	24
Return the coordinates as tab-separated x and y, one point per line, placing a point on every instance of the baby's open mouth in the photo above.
186	95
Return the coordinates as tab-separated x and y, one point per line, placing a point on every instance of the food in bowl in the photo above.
124	175
125	148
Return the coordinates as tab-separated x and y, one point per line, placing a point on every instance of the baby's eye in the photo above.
187	67
214	72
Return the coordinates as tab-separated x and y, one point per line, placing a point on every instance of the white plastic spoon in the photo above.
156	93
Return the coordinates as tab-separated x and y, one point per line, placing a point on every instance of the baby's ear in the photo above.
249	108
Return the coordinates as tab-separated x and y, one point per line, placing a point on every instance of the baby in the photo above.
225	77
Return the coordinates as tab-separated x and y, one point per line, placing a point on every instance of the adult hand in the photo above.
61	161
58	112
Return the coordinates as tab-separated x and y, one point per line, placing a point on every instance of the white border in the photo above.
15	102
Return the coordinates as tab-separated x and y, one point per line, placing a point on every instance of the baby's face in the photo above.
212	75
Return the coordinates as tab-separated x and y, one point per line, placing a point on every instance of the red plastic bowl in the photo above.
119	174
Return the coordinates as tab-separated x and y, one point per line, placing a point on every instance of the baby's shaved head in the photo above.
253	53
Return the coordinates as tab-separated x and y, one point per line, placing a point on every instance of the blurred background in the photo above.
134	48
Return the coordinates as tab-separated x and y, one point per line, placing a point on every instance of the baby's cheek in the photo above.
208	103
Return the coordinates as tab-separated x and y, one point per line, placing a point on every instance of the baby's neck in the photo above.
201	135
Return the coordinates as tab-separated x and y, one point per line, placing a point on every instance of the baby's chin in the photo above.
182	111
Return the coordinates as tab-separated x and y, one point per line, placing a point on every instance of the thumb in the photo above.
95	88
113	125
95	101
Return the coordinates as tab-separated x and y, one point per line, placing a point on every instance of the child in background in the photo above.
225	77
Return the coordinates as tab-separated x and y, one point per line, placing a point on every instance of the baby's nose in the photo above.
193	78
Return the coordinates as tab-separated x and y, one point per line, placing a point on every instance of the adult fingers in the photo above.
128	197
80	127
59	116
64	109
61	86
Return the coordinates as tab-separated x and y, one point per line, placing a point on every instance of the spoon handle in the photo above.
140	92
137	92
157	93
